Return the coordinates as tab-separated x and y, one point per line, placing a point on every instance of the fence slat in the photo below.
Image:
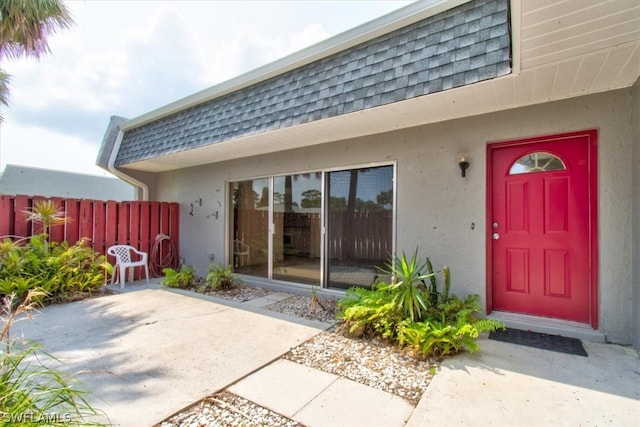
6	212
123	223
112	223
134	223
72	227
99	226
174	226
154	228
86	219
21	226
146	243
56	234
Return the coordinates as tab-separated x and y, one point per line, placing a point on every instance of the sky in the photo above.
130	57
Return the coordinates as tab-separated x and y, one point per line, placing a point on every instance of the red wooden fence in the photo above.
104	223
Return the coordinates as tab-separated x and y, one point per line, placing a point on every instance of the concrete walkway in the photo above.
511	385
148	353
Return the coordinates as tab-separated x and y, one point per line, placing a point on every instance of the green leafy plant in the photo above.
413	313
62	272
179	279
457	329
369	312
220	276
436	296
31	392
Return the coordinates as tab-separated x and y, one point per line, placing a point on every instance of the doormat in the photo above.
538	340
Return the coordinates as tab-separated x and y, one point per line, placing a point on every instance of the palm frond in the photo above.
25	26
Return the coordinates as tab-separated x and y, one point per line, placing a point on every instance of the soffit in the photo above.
562	49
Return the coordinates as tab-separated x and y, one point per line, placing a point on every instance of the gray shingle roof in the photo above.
458	47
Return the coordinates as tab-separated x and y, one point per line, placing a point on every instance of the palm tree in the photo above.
24	28
4	90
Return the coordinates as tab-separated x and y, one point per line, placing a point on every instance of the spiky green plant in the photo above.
407	284
47	213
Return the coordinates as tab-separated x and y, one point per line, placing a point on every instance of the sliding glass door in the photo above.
250	227
359	224
276	226
297	202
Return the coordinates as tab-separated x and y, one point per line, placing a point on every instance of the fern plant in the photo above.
220	276
444	338
182	278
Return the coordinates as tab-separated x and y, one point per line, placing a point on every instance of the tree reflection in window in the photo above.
537	162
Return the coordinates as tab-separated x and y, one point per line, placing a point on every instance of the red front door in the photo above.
541	226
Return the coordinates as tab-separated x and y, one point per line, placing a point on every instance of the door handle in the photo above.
496	236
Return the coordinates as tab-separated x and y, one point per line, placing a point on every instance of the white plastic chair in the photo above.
123	261
241	250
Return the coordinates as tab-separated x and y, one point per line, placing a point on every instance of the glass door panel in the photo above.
359	224
250	227
297	201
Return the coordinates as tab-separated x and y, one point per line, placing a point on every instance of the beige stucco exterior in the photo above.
439	211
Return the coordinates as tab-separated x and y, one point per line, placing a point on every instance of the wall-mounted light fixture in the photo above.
463	162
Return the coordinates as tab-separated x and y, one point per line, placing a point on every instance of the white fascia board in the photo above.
395	20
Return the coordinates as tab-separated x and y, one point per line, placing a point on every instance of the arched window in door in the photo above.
537	162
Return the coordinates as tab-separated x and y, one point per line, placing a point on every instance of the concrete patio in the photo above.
149	352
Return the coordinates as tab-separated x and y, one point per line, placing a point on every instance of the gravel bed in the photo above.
323	310
226	409
240	293
367	361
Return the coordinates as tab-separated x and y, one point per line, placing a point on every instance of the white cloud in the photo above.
45	149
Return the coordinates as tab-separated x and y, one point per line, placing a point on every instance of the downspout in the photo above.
129	179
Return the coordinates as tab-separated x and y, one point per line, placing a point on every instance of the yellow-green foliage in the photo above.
220	276
59	270
179	279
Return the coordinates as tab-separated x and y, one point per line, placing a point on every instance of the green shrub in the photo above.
369	312
412	313
60	271
179	279
220	276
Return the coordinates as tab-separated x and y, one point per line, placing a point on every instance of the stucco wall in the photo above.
435	206
635	119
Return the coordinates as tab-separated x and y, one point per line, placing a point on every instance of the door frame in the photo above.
591	136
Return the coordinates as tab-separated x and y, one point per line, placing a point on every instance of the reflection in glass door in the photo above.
276	226
297	203
359	224
250	227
